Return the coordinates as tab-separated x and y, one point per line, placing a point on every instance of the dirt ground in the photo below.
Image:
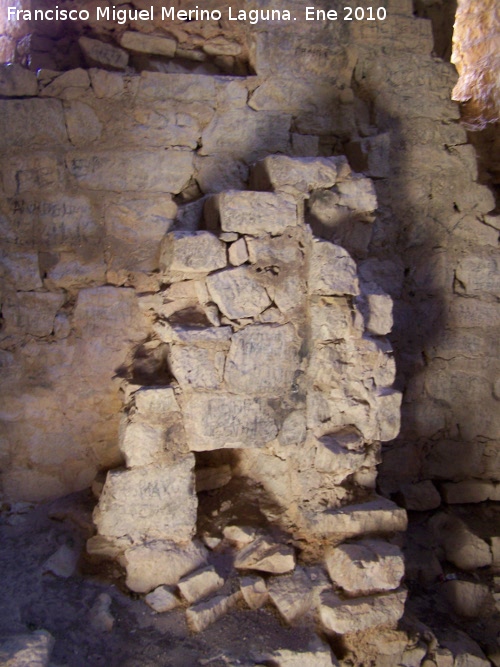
33	599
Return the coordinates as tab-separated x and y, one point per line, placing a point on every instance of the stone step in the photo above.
374	516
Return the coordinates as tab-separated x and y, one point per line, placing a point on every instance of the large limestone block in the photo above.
334	459
204	614
29	650
330	410
100	54
134	170
468	491
346	616
373	516
454	460
32	122
365	567
338	223
220	420
310	54
107	314
136	41
297	175
16	81
262	360
288	294
160	125
153	403
465	652
237	293
246	134
331	319
266	555
51	223
197	368
468	598
365	359
292	595
82	122
32	313
106	84
332	271
158	501
182	87
69	85
479	275
277	251
200	584
255	213
187	255
160	563
358	194
215	174
20	270
73	272
31	172
143	443
419	496
388	406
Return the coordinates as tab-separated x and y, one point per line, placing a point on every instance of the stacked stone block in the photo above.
276	350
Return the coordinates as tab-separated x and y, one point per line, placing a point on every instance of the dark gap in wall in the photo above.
442	15
226	498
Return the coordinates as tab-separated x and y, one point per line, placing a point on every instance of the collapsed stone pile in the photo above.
278	359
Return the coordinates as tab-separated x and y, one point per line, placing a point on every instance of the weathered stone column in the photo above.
278	355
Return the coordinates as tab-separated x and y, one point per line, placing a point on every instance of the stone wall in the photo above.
97	164
280	397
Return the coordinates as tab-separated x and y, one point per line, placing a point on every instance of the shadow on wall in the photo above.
403	118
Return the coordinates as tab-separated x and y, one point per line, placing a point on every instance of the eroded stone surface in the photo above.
254	591
332	271
365	567
153	502
255	213
162	599
200	584
204	614
158	563
220	420
292	595
237	293
187	255
356	615
248	370
266	555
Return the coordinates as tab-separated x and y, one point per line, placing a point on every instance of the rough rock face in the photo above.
475	55
290	378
